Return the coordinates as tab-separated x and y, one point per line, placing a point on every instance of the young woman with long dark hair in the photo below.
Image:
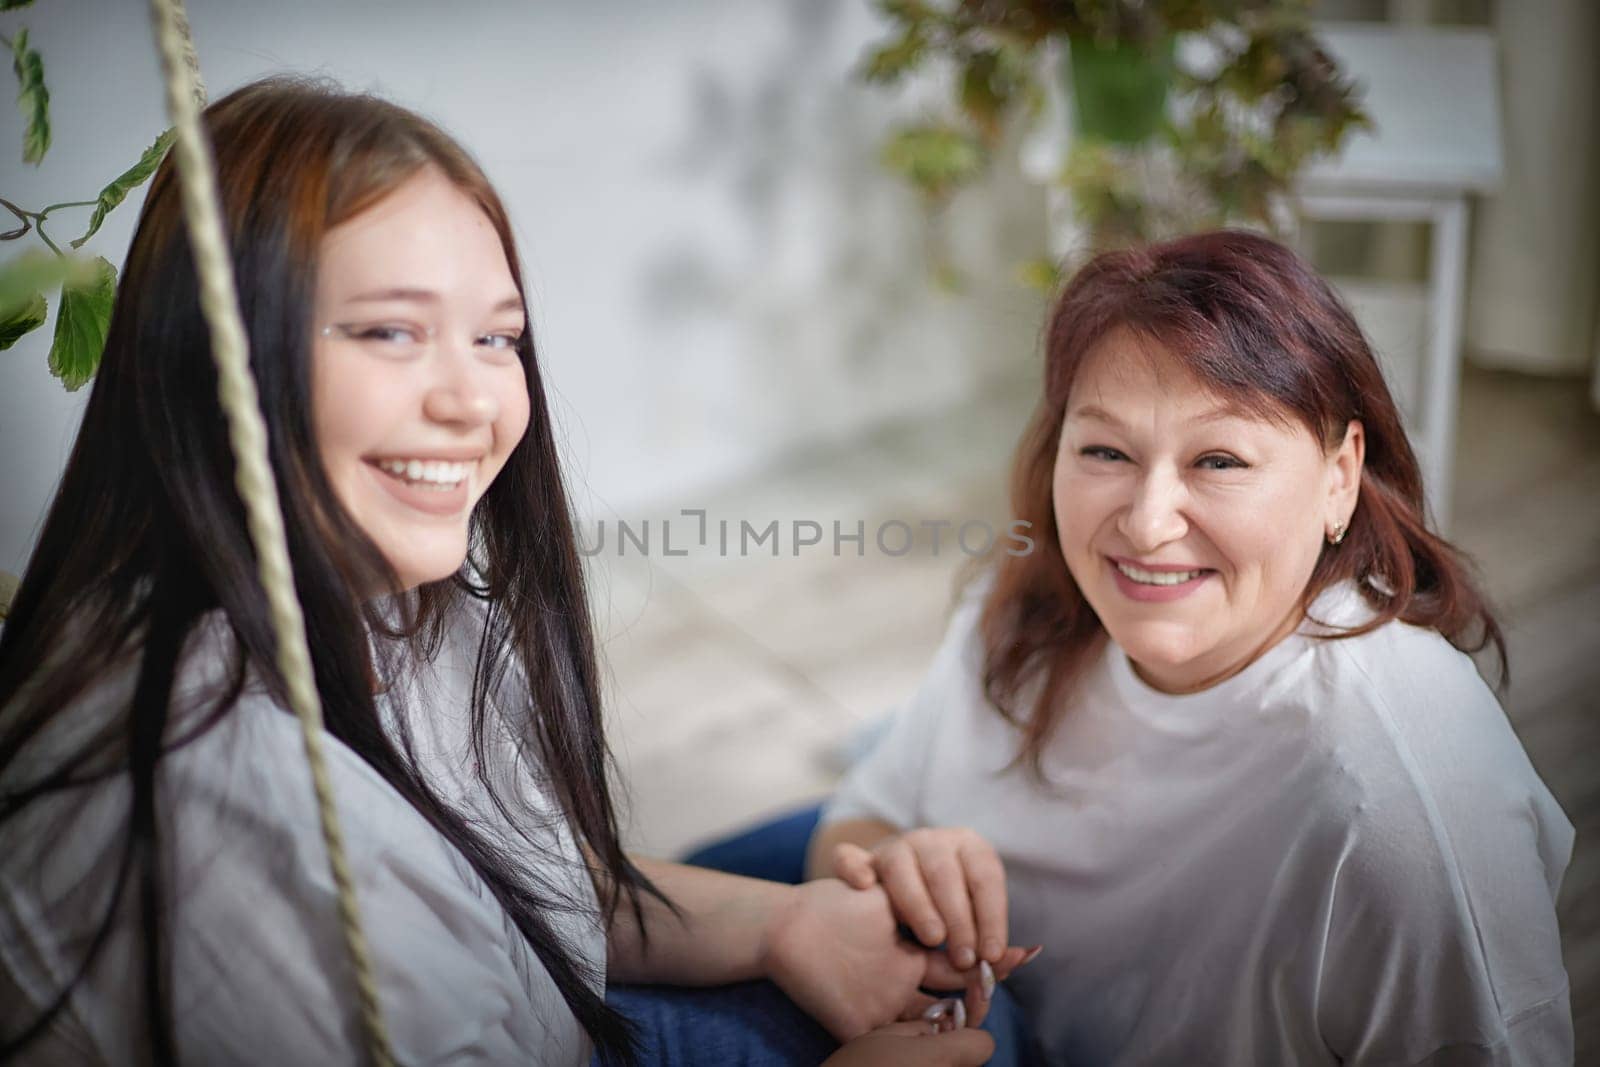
1217	743
164	893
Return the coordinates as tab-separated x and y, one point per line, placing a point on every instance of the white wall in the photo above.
719	270
1535	288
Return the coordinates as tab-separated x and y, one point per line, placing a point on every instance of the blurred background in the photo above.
788	390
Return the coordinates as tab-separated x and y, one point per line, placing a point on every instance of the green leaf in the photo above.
125	183
27	318
935	158
904	10
12	5
991	81
947	277
33	99
1044	275
24	277
81	325
889	63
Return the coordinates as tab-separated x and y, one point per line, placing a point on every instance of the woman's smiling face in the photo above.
418	393
1191	526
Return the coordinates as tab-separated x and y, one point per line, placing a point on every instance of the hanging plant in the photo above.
85	286
1158	148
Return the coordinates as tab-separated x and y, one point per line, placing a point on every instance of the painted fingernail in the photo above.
1031	955
964	958
941	1015
931	935
986	978
993	950
959	1011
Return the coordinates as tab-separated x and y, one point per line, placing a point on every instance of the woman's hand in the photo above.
948	885
838	954
836	951
915	1044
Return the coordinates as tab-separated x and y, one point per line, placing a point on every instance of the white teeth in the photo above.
434	474
1145	577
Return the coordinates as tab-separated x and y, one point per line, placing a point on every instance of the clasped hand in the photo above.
837	952
947	884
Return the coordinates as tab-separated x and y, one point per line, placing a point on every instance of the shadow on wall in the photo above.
827	264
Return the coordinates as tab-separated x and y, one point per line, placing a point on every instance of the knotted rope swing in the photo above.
236	390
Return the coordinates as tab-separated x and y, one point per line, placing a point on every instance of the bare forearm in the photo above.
834	950
863	832
718	938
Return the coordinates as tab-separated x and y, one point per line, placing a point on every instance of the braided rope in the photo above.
236	390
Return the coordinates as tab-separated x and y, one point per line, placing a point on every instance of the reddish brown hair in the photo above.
1254	323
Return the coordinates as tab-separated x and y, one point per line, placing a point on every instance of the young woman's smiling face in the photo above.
1191	527
418	395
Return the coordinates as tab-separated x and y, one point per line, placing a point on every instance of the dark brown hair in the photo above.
146	538
1260	329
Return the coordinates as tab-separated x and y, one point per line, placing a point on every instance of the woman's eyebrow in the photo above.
424	296
1224	413
1220	413
376	296
1099	414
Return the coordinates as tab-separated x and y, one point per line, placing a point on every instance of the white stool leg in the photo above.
1442	382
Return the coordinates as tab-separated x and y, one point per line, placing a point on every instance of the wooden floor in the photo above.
737	683
1528	508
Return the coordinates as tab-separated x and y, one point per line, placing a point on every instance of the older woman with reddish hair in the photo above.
1217	743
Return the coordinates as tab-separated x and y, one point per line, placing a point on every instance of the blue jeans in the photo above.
753	1024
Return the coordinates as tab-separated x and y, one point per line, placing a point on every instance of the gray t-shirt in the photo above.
260	969
1339	855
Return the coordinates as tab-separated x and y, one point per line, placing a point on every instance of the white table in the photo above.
1433	95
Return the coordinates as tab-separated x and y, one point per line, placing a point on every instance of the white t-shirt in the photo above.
1340	854
261	974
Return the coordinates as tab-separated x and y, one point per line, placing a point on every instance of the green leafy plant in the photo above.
86	285
1159	147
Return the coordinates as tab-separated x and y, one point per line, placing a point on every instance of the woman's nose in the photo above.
1154	517
460	391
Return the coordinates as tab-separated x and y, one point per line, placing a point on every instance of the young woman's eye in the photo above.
1101	452
1220	461
505	342
387	333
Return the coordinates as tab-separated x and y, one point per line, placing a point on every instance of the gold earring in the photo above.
1337	536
